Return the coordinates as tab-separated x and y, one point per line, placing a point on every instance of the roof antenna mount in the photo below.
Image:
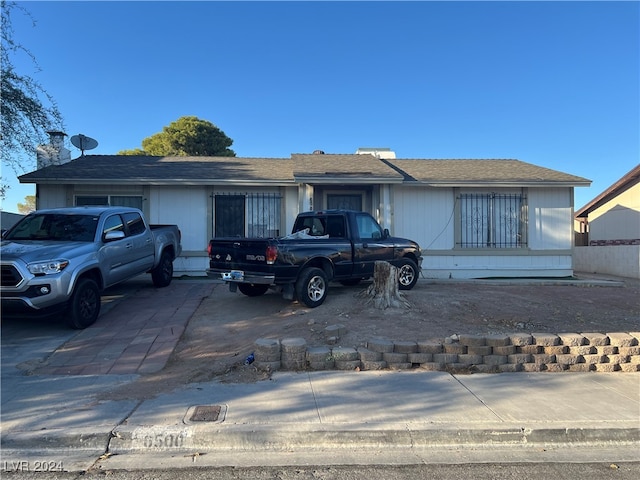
83	142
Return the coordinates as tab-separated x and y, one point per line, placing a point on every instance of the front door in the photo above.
344	201
229	216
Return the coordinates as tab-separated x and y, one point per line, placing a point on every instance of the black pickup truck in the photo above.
332	245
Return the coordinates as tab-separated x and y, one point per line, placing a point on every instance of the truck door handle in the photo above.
129	245
365	245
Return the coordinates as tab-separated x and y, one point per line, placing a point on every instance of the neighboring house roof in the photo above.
306	168
625	183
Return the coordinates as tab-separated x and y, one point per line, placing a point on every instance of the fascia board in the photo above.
320	180
500	184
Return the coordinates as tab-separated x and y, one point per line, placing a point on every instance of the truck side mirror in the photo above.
113	235
385	233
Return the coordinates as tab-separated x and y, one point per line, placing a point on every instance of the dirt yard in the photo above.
223	330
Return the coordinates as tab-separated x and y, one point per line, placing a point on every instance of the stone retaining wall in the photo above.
536	352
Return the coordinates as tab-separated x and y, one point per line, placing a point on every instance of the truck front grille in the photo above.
10	276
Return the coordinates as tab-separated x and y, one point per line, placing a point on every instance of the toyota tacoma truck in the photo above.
58	261
332	245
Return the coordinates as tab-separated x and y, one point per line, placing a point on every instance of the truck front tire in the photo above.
407	274
311	287
84	306
163	273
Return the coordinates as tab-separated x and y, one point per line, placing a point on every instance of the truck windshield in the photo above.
53	226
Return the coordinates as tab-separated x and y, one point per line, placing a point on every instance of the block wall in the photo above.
535	352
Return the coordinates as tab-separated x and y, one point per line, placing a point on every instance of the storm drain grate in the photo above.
205	413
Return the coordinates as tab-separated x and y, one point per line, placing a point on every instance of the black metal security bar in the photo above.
263	215
492	220
255	215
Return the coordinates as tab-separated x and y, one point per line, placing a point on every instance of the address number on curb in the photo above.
148	438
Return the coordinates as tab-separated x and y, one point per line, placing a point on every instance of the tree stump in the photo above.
384	291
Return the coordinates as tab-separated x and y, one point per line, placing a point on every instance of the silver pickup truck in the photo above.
58	261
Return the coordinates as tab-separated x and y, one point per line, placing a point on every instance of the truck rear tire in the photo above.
253	289
407	274
84	306
163	273
311	287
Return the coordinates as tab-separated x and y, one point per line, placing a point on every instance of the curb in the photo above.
58	439
246	439
403	436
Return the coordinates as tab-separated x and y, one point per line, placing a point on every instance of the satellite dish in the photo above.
83	142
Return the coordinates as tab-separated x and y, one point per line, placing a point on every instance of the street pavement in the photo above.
56	420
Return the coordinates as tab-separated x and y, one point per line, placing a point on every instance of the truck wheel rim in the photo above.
316	288
87	304
406	275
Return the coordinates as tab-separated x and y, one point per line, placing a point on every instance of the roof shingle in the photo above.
317	168
492	171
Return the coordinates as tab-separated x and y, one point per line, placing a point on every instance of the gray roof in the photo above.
307	168
101	169
475	172
332	168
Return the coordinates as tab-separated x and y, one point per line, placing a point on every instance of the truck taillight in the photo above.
209	249
271	254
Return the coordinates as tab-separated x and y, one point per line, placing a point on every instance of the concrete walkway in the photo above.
374	416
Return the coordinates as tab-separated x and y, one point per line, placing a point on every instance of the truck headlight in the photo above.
47	267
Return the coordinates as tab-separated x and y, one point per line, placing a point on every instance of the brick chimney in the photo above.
54	153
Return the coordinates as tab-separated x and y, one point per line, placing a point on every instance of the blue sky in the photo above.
555	84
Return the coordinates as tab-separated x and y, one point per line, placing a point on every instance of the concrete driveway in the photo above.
136	336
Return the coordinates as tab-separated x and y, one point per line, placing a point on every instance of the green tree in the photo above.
27	109
28	206
187	136
135	151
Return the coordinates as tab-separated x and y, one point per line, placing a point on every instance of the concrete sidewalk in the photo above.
58	422
357	417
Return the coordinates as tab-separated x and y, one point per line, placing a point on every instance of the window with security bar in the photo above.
263	215
254	215
492	220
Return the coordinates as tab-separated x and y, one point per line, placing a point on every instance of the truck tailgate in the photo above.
238	253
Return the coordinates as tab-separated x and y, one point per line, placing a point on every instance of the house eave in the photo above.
351	180
510	184
313	180
158	182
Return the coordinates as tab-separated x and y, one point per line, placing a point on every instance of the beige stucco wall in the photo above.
618	219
